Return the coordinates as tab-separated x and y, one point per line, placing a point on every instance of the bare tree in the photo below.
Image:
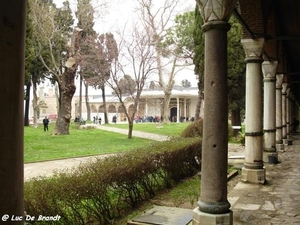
158	19
137	58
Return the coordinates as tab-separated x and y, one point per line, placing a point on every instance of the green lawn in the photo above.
40	145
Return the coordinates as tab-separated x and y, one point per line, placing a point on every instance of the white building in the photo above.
182	104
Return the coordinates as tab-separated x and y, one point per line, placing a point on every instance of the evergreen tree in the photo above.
198	58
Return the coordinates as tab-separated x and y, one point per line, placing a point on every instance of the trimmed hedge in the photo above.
100	192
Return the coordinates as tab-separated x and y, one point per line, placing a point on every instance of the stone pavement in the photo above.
277	201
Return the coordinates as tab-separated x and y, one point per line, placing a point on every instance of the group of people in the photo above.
97	120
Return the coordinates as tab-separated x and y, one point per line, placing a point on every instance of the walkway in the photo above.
276	202
155	137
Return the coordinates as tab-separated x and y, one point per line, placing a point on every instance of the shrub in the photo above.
195	129
100	191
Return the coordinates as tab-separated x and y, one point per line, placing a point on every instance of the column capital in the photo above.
279	79
269	69
253	48
284	88
212	10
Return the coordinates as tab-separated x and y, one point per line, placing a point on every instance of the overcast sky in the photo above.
121	12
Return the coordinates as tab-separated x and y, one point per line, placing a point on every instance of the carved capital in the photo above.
216	10
253	48
284	88
279	79
269	69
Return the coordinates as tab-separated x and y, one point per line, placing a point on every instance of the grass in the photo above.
41	146
169	129
184	195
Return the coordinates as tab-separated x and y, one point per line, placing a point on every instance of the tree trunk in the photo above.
236	120
166	107
27	103
199	101
88	108
80	97
67	89
35	105
104	105
130	127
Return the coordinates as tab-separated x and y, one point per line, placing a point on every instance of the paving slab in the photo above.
162	215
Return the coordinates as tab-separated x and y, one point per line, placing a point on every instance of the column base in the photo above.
267	152
266	155
254	176
290	139
271	157
280	147
212	219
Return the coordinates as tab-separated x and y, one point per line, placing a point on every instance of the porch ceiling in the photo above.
287	22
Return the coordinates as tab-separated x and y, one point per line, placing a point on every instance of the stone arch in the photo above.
101	109
93	109
112	109
121	112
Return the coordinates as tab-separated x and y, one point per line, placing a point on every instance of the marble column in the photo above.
253	170
213	206
279	142
178	110
284	89
269	71
12	47
184	105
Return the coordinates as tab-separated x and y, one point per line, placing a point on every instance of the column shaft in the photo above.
279	145
11	88
213	206
269	71
215	130
178	110
284	88
253	170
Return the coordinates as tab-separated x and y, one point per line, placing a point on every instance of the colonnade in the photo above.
269	112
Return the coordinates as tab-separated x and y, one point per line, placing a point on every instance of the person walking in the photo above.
45	122
100	120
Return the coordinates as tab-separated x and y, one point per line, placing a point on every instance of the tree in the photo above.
59	42
85	16
185	83
191	22
29	57
127	85
158	20
35	71
99	53
198	58
236	73
137	55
